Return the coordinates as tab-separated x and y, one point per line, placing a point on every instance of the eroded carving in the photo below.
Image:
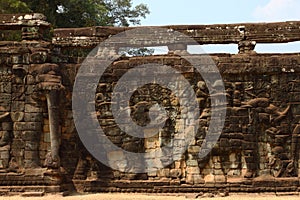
38	138
5	141
50	84
263	113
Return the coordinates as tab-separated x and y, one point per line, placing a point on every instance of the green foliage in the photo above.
120	12
136	51
13	6
80	13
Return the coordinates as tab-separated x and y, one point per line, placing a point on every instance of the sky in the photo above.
176	12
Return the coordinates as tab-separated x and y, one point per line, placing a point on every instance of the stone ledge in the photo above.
281	186
279	32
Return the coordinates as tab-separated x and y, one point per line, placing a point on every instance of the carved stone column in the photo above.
52	159
50	85
246	46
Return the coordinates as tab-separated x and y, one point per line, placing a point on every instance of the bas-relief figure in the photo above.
264	119
50	84
263	113
260	136
5	140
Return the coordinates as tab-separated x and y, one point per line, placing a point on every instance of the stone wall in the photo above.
40	150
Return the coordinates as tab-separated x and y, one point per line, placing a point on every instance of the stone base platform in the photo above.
33	182
276	186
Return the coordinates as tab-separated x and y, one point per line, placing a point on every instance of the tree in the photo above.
83	13
120	12
13	6
80	13
128	51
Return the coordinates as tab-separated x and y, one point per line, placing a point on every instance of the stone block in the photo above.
47	137
194	179
131	146
18	88
30	135
18	79
192	163
27	126
31	146
43	152
192	170
31	163
248	145
209	178
5	108
112	131
149	132
33	117
17	134
17	96
4	155
234	172
163	173
151	143
232	157
217	165
17	152
30	80
198	179
30	89
175	173
116	139
29	108
7	126
4	163
46	128
17	144
31	154
295	97
177	164
224	142
194	150
46	121
34	194
17	116
220	178
116	156
218	172
152	173
235	142
17	106
5	87
20	59
234	165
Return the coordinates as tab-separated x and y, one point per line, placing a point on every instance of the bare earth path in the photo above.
151	197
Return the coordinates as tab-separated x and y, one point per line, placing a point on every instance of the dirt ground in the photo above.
152	197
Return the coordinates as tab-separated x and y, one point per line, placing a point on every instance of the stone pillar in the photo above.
49	84
246	46
177	48
53	112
